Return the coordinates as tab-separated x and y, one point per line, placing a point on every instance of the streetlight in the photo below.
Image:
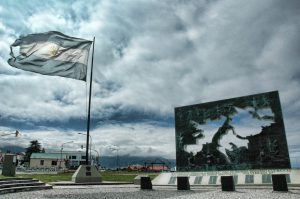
98	156
61	149
90	146
116	148
17	133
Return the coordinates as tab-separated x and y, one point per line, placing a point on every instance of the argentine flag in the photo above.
52	53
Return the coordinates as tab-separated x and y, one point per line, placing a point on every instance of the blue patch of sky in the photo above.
16	13
295	148
135	116
245	118
214	123
79	124
241	117
295	163
238	119
60	97
72	124
107	88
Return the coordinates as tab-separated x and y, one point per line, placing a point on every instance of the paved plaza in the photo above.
133	191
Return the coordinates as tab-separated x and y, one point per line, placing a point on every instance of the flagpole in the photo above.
89	109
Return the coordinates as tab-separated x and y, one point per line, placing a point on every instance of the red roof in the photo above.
157	168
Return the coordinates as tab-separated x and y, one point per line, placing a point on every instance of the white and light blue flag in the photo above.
52	53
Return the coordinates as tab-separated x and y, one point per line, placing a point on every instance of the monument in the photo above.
87	174
233	134
243	138
9	168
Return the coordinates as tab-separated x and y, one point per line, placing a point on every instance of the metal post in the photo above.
61	149
89	108
98	155
117	159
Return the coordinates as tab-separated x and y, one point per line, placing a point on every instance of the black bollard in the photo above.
279	182
183	183
146	183
227	183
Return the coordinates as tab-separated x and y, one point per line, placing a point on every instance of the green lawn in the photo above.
115	176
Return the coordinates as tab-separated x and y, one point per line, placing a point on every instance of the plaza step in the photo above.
14	178
11	185
17	181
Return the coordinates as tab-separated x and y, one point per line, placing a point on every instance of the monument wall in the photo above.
233	134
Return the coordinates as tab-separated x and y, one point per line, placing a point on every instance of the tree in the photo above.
35	147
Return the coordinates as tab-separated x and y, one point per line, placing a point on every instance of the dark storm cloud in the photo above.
151	56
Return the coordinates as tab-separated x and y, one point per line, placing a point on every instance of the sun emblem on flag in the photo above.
53	50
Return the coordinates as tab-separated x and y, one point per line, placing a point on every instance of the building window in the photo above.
82	162
266	178
288	178
42	162
83	157
235	179
172	180
249	179
54	163
74	157
198	180
74	163
213	180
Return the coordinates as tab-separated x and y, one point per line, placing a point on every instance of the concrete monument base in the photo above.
241	177
87	174
9	168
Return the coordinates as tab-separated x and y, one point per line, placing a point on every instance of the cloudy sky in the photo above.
150	56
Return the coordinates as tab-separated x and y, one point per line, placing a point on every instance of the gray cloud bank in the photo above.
151	56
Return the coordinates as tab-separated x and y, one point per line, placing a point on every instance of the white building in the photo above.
69	159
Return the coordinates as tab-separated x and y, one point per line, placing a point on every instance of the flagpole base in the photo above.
86	174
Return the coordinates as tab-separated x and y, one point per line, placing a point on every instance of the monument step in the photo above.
9	185
241	177
24	188
5	179
9	181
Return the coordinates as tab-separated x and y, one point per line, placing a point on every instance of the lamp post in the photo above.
98	156
17	133
61	149
116	148
90	146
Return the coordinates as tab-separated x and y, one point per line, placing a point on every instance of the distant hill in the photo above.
109	162
12	149
124	161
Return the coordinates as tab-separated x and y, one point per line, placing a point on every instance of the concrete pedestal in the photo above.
9	168
241	177
87	174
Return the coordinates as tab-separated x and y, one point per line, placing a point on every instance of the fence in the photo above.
46	170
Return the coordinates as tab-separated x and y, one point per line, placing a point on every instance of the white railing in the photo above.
37	170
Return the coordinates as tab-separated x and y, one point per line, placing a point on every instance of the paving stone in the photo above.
133	191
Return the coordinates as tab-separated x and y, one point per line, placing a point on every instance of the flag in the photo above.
52	53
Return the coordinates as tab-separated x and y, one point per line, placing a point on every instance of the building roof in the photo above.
47	156
56	155
157	168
